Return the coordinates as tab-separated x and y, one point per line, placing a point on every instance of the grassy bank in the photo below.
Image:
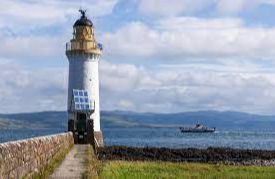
136	169
92	164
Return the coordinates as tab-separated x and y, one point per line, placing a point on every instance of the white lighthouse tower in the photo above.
83	53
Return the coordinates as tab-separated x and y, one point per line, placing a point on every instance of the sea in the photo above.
163	137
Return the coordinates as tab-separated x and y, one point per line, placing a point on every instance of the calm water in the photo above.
173	138
165	137
16	134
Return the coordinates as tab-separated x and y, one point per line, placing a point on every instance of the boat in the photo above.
198	128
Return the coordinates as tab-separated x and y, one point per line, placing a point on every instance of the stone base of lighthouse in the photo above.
99	138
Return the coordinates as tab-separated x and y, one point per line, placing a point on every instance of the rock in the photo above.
210	155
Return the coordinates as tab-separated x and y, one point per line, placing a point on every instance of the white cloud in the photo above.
124	77
171	8
216	61
38	47
229	7
162	8
181	37
187	88
164	88
24	26
125	104
133	39
46	12
26	90
193	23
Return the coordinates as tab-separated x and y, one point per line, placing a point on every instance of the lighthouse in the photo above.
83	106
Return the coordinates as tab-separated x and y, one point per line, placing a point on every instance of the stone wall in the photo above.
27	157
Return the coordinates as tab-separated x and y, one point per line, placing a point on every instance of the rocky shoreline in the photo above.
227	156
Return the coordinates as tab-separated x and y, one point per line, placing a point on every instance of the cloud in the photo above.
43	13
27	90
228	8
125	103
39	29
164	88
135	39
173	63
185	37
39	47
169	39
162	8
187	88
171	8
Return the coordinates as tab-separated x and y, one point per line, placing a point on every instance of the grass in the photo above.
54	163
137	169
92	164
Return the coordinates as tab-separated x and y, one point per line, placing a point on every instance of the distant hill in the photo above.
221	120
49	119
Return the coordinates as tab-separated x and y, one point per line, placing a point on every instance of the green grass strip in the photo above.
138	169
93	165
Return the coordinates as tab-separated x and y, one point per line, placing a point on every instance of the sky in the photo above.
159	56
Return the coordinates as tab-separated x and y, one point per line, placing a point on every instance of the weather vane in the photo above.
83	12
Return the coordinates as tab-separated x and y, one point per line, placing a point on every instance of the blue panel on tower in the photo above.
81	101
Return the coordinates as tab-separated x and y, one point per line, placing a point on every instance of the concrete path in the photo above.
73	165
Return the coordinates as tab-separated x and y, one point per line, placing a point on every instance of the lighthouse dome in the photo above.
83	21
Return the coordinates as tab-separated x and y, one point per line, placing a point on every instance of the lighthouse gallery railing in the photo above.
83	45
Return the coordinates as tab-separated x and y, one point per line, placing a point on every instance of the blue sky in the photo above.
159	56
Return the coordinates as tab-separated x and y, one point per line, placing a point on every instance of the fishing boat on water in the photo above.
198	128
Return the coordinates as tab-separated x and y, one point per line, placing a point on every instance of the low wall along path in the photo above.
27	157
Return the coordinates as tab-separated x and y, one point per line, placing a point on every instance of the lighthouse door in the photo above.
82	109
81	128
